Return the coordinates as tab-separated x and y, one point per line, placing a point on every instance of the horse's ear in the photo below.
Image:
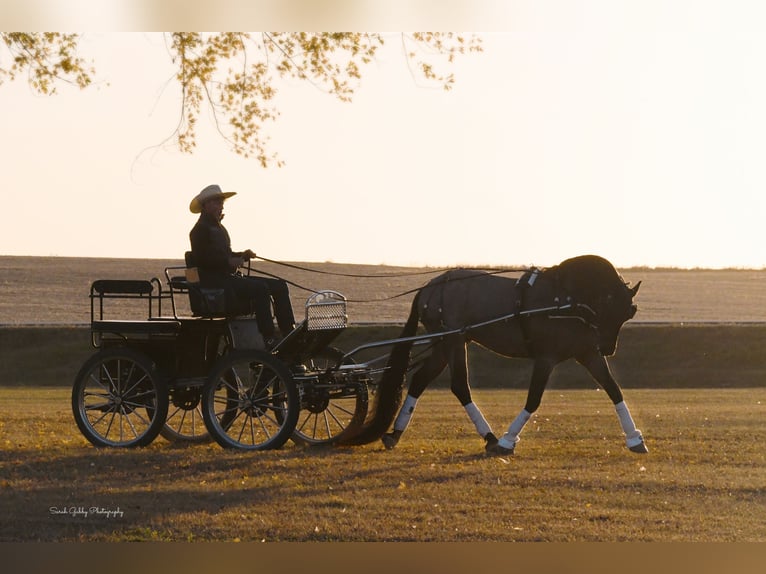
634	290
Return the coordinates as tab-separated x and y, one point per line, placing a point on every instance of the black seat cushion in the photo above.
210	301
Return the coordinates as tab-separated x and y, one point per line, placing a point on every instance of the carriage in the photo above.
207	374
195	369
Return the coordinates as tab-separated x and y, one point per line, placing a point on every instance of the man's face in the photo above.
214	207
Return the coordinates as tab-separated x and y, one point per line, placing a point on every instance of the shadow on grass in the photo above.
84	493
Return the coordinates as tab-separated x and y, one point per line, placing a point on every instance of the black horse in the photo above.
573	310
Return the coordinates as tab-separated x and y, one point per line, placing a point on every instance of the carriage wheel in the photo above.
119	399
250	401
329	412
185	422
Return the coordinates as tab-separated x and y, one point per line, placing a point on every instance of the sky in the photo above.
633	130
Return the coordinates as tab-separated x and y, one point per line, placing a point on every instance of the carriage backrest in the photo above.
188	284
192	273
204	302
147	292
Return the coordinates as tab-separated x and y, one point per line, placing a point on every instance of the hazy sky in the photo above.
635	130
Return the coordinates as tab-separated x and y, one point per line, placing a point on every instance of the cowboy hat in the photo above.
210	192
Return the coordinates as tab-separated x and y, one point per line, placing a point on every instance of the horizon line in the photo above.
642	267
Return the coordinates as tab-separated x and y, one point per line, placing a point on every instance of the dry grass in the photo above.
571	479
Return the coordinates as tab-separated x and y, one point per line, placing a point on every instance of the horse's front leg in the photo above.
599	368
540	375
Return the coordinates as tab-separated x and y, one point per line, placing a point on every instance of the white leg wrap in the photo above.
633	436
510	438
405	414
478	420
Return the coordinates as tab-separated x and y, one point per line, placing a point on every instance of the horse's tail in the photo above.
389	394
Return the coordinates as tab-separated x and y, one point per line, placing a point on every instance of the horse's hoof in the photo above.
496	450
640	448
389	440
490	439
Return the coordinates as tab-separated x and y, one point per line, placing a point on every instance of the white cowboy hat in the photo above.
210	192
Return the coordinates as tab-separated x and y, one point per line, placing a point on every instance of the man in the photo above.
217	264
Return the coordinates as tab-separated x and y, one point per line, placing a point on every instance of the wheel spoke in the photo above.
334	418
106	395
99	382
340	407
252	429
99	419
130	423
172	415
139	416
242	430
263	425
237	387
111	422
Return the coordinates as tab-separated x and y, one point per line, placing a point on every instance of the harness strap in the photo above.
523	284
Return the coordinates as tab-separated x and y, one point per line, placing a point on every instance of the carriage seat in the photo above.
205	301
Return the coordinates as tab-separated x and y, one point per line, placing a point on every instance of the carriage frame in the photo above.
193	377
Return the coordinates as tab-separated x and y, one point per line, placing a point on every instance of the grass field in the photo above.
571	479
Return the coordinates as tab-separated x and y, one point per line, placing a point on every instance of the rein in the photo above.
488	271
370	276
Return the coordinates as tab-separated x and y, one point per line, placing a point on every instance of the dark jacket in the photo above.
211	251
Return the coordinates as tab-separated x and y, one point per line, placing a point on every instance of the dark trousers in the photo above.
260	292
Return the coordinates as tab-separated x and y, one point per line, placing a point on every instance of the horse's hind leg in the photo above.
599	369
431	368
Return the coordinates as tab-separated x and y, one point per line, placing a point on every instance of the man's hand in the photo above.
248	254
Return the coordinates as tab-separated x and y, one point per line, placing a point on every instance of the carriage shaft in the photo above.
460	331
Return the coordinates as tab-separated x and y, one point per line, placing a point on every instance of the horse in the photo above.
572	310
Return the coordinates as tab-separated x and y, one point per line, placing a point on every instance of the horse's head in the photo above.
613	309
593	281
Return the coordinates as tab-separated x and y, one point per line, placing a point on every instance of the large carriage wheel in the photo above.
250	401
329	412
119	399
185	422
